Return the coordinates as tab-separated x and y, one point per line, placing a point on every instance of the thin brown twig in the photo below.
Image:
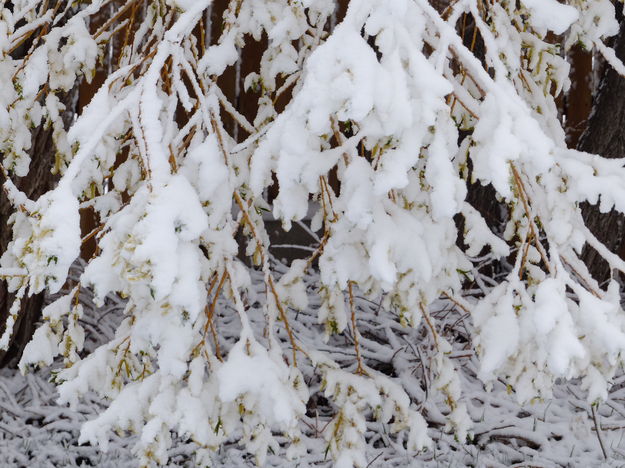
532	223
44	30
284	318
456	302
210	312
598	431
271	284
93	232
430	325
114	18
584	280
359	366
526	249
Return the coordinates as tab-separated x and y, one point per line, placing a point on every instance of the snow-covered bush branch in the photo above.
373	130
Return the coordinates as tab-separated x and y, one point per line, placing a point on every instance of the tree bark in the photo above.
578	101
38	181
605	135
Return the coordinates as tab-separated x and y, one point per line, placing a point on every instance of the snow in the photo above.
496	345
411	305
551	15
260	376
41	350
36	73
59	216
553	322
36	430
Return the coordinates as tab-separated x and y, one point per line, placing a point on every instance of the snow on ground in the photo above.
37	432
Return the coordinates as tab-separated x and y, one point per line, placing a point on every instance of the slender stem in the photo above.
598	431
430	325
210	312
359	366
534	229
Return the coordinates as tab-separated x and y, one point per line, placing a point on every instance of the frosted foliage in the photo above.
365	128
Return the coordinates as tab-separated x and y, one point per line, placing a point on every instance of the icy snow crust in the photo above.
389	335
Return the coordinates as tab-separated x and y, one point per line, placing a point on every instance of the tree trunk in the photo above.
38	181
578	101
605	135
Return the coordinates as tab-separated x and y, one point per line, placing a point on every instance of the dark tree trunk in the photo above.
38	181
605	135
578	101
482	198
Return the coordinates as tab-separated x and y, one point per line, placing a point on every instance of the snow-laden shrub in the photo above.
389	116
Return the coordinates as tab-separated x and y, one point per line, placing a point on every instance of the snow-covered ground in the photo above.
37	432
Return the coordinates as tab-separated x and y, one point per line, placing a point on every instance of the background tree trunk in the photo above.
578	101
605	135
38	181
